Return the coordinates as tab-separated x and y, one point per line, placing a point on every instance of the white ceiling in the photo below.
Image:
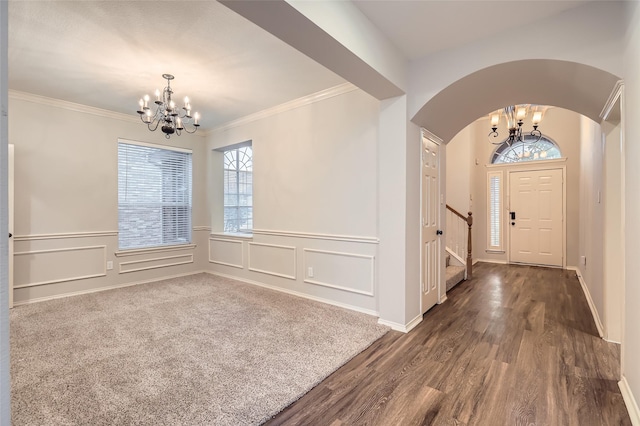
107	54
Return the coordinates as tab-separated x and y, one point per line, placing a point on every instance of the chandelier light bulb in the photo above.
495	119
521	113
157	95
537	118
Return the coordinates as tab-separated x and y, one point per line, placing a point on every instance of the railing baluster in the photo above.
455	217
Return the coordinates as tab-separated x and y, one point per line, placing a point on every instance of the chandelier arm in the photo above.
157	122
537	133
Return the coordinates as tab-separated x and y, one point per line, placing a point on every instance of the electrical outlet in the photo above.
310	272
109	265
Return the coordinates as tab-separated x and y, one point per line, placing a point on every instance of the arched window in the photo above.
529	150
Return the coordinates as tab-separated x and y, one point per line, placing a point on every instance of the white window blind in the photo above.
494	227
154	196
238	189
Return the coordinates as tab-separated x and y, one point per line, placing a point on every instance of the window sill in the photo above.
135	252
237	235
495	251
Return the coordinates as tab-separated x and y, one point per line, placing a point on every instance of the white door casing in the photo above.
11	229
536	233
430	224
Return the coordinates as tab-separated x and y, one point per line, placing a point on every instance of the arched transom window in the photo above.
529	150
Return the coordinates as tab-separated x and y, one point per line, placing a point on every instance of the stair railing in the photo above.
459	236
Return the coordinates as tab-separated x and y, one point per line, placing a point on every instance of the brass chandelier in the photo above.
515	115
167	115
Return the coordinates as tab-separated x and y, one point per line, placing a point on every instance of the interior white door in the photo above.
536	204
10	207
430	223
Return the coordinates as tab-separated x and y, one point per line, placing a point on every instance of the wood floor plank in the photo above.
516	345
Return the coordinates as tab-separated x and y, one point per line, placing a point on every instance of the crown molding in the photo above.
616	93
431	136
287	106
71	106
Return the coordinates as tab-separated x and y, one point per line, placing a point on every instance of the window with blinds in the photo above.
154	196
494	227
238	189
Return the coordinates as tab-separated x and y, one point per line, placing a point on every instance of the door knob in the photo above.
438	232
10	235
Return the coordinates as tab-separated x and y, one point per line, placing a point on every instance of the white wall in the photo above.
631	340
589	35
460	155
5	382
315	201
592	212
66	208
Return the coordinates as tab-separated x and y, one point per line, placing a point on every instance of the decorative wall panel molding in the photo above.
273	259
226	252
41	267
65	235
350	272
138	252
155	263
334	237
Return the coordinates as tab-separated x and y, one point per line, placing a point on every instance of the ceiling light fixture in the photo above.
171	118
515	115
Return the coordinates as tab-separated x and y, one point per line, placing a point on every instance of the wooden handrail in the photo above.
469	220
456	212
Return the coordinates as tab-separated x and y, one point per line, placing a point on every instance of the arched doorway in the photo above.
569	85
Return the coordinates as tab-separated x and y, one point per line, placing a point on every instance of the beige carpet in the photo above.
200	350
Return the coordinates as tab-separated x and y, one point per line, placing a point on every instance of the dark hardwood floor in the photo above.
516	345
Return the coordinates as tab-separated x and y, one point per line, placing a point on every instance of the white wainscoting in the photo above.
40	267
273	259
155	263
226	252
344	267
344	271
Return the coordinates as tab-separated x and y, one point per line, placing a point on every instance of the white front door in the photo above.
536	212
430	223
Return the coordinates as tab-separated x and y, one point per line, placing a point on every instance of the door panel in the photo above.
537	198
430	224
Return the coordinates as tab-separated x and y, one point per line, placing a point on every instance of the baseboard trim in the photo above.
587	294
299	294
629	401
404	328
99	289
499	262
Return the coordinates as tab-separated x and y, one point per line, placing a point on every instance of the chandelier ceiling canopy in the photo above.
515	116
167	115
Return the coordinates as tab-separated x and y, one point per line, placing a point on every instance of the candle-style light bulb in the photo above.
146	101
495	119
186	102
172	105
158	95
537	118
521	113
196	117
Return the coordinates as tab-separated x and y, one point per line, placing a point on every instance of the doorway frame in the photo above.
615	101
441	288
